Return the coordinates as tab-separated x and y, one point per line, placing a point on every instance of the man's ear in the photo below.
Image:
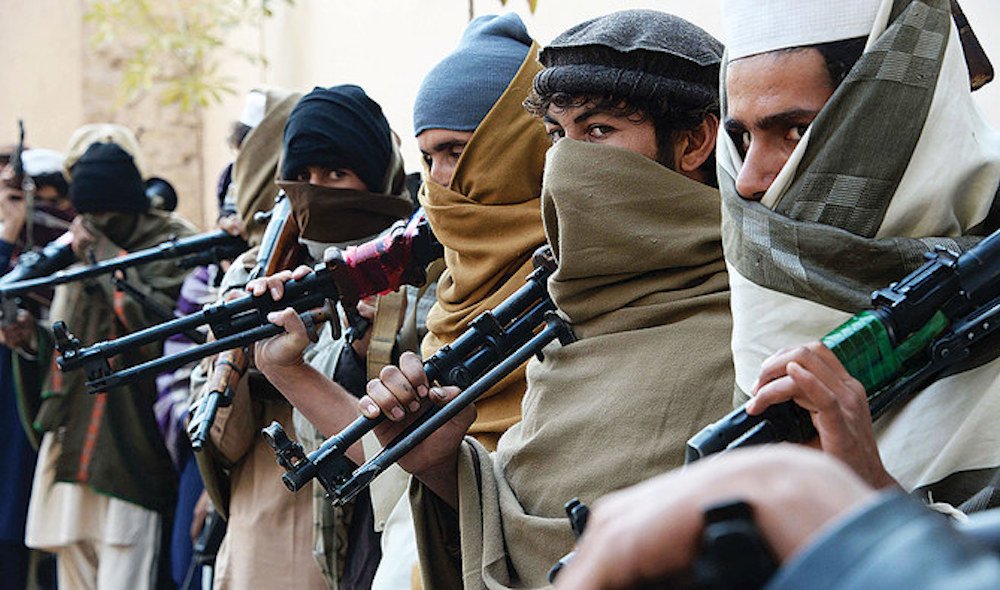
693	147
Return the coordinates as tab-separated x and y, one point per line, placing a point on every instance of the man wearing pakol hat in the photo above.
342	171
839	170
52	214
104	479
631	101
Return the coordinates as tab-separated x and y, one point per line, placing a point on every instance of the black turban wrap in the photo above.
105	179
338	127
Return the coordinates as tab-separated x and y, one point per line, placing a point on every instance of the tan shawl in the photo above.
642	280
489	223
257	164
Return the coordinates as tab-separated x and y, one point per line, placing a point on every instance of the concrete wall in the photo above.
56	81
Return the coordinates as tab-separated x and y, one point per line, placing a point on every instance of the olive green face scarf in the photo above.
634	240
642	279
897	162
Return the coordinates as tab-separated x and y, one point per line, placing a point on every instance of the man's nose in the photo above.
760	167
440	174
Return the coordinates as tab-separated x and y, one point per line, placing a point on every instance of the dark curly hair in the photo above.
669	117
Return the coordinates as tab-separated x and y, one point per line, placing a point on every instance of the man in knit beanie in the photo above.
343	175
483	157
104	480
630	100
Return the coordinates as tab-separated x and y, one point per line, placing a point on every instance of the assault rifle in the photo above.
279	250
193	251
496	343
934	322
384	264
38	271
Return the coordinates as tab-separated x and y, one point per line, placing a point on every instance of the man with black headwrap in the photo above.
343	174
630	100
104	479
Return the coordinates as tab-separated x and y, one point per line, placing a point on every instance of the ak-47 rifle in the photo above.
929	325
193	251
279	250
44	271
495	343
384	264
55	256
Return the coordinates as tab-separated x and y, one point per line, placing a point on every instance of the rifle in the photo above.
206	547
279	250
193	251
495	343
24	182
384	264
931	324
55	256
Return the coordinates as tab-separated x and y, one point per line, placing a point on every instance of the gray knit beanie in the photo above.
463	87
635	54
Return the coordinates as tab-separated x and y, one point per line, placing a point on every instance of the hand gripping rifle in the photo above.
397	258
279	250
495	343
940	319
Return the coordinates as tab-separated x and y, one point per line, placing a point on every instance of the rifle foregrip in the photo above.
781	422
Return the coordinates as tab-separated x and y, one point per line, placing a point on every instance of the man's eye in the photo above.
428	160
556	134
600	131
796	133
337	174
742	140
456	154
302	176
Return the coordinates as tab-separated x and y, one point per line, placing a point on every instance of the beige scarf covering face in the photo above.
489	221
839	219
642	279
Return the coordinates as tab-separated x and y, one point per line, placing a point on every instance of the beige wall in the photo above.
384	45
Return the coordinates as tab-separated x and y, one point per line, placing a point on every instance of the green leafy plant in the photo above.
174	46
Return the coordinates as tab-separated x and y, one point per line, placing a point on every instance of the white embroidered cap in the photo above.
759	26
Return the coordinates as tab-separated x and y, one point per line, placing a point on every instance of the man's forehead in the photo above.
777	82
436	140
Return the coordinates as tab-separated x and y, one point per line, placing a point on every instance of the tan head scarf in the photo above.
87	135
256	166
490	223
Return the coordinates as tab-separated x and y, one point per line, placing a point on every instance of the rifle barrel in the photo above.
169	249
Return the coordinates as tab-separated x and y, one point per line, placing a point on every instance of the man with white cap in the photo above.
839	170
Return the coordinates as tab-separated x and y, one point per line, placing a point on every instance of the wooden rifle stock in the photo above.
279	250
